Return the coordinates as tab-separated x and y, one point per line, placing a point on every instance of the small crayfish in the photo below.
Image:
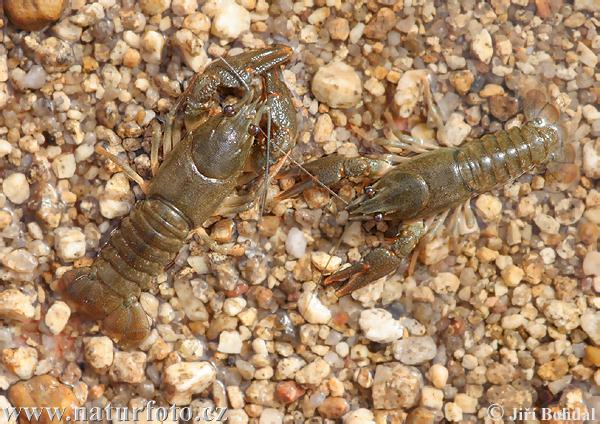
205	154
433	182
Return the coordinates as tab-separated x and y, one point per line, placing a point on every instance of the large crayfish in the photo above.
199	172
433	182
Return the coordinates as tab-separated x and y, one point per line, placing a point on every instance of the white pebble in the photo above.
152	46
325	262
230	19
454	131
438	375
295	243
194	377
415	350
489	206
69	243
20	260
591	159
64	165
547	224
98	352
16	305
271	416
230	342
234	306
482	46
312	309
338	85
409	90
445	282
359	416
16	188
591	263
590	322
35	78
5	148
57	317
379	325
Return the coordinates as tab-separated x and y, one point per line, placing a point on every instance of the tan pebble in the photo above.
453	412
33	15
490	207
462	81
338	28
491	90
98	352
512	275
128	367
334	407
336	387
5	219
57	317
591	263
553	370
16	188
466	403
154	7
432	398
323	129
482	46
381	24
445	282
592	354
338	85
485	254
43	390
21	361
16	305
222	231
421	415
438	375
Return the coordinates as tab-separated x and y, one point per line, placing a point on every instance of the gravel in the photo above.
502	312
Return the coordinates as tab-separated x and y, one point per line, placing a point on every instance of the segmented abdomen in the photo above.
499	158
146	241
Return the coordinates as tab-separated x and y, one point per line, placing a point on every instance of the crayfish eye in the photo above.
370	192
378	217
253	130
229	110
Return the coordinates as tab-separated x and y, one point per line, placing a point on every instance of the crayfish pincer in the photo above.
193	181
433	182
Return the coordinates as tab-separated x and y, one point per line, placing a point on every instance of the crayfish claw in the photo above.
377	264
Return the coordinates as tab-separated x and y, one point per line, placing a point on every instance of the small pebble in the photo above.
98	352
338	85
193	377
43	390
21	361
128	367
379	326
312	309
57	317
69	243
230	342
64	165
230	19
591	263
454	131
16	305
482	46
16	188
415	350
438	375
295	243
33	15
